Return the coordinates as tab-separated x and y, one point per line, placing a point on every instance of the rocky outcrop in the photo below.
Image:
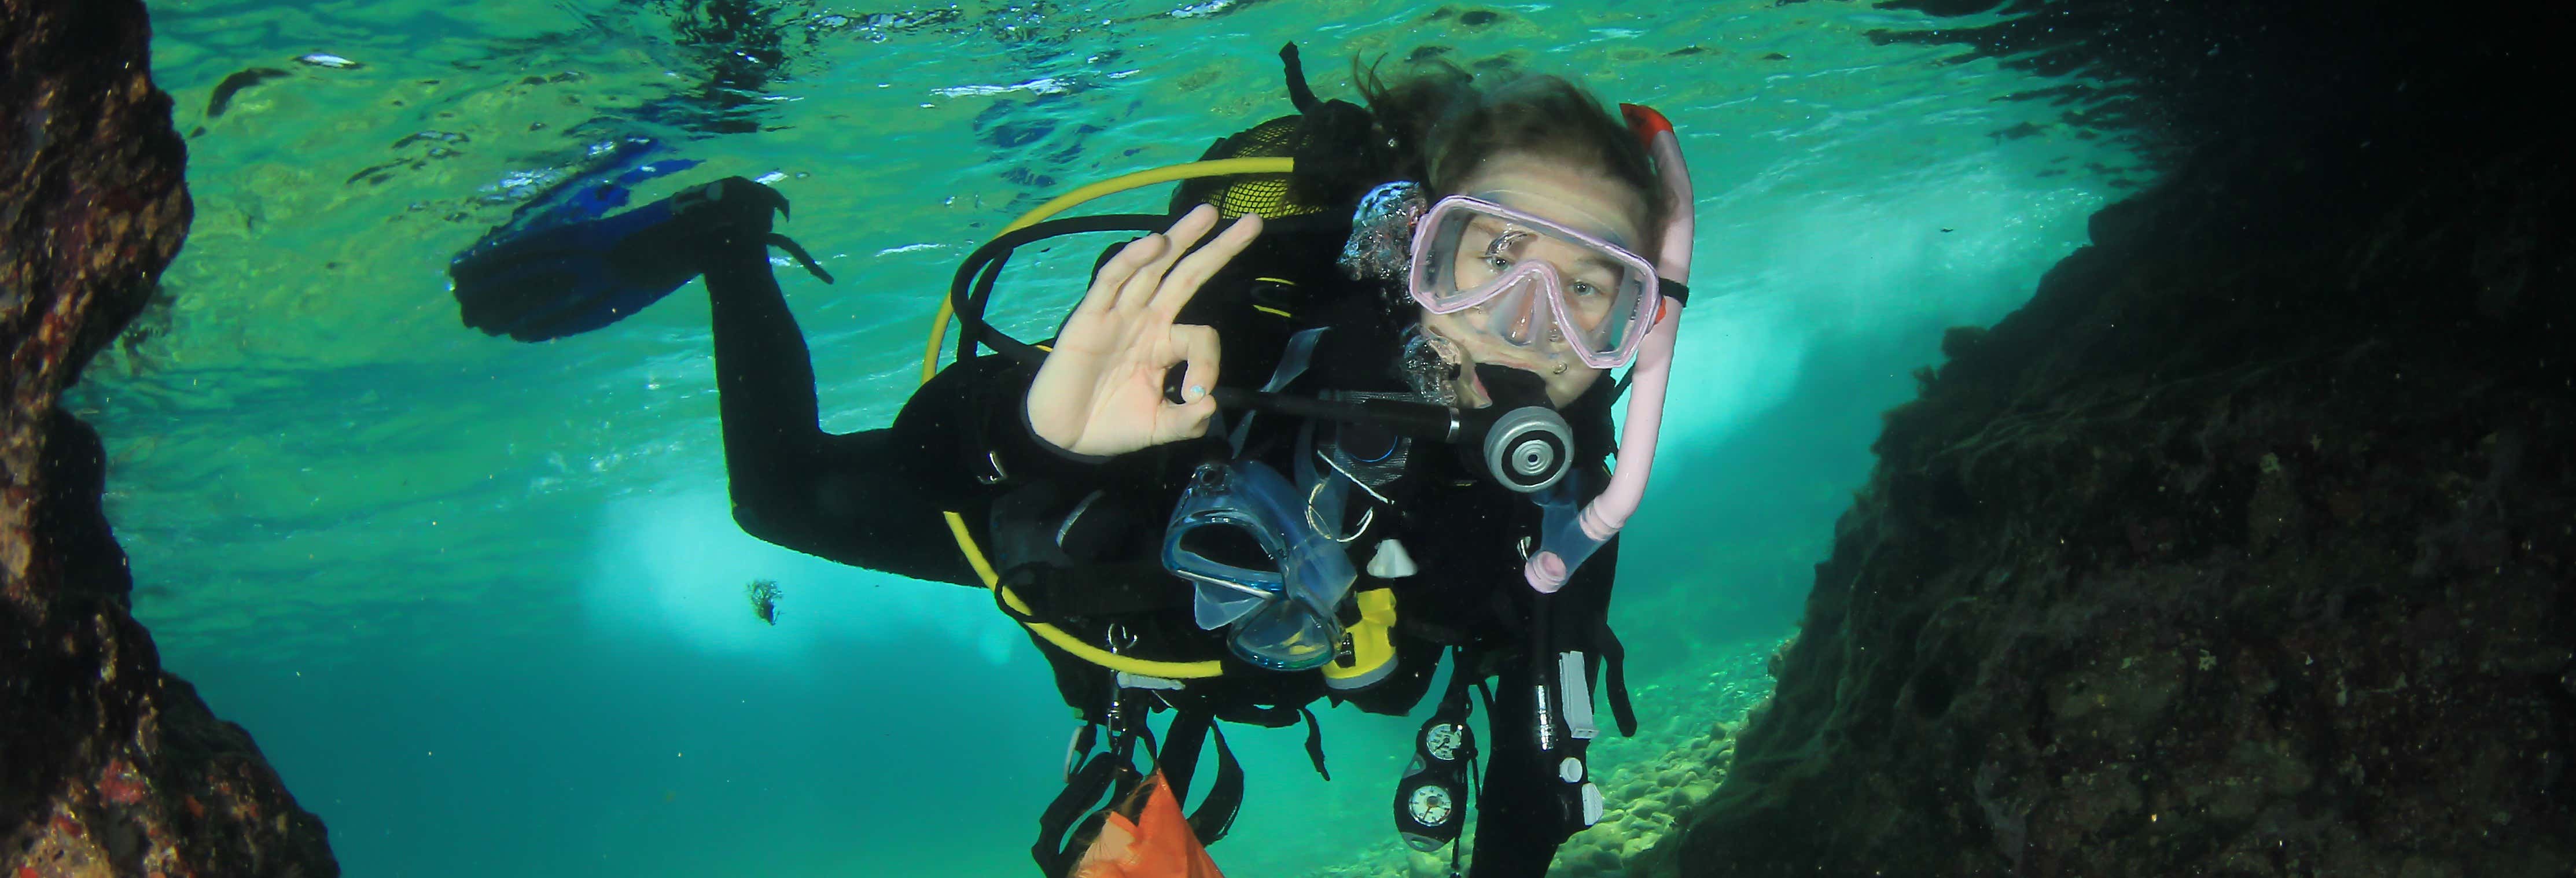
2247	547
108	765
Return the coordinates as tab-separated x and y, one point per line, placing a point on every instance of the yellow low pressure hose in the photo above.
930	367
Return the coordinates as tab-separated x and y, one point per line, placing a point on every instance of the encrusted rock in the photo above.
108	765
2242	549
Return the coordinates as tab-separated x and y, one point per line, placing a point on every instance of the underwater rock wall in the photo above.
2246	548
108	765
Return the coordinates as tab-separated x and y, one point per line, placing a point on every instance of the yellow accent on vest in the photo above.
1372	640
957	523
1068	642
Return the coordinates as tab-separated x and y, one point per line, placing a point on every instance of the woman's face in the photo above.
1564	193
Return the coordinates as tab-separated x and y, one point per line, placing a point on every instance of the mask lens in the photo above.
1286	635
1227	546
1541	281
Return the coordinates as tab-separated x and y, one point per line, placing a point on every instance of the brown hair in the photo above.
1444	125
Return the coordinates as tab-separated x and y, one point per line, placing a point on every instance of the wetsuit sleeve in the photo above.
865	499
874	498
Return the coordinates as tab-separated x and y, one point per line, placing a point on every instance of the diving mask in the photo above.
1538	282
1241	535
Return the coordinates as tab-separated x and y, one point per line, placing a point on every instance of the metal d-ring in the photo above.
1366	516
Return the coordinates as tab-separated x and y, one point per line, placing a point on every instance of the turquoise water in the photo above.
481	603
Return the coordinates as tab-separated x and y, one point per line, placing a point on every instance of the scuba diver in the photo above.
1345	412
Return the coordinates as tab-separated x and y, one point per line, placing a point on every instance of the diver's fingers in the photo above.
1139	290
1197	346
1114	274
1194	270
1190	421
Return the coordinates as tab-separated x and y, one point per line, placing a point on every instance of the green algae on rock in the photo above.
2242	549
108	764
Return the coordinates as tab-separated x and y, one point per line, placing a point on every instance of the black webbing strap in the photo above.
1314	742
980	296
1073	819
1076	814
1104	774
1299	93
1282	717
1454	702
1181	745
1475	776
1457	707
1680	292
1215	814
1615	659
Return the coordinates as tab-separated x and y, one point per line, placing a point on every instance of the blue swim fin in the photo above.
573	278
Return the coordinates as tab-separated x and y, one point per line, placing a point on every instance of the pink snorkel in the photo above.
1570	539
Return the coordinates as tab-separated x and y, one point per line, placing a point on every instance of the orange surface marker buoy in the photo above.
1155	843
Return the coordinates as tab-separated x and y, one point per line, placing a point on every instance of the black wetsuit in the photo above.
873	498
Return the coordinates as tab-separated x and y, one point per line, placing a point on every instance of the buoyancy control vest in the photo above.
1074	563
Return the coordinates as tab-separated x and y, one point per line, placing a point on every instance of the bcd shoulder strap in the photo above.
1215	814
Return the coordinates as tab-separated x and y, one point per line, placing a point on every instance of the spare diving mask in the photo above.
1240	534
